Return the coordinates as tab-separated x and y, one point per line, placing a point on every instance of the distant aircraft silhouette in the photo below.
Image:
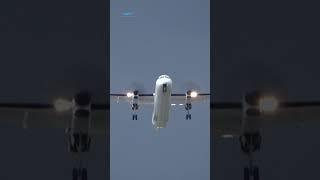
127	14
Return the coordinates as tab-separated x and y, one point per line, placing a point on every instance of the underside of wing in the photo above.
181	98
226	118
147	99
46	116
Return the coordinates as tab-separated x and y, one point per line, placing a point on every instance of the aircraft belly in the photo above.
162	108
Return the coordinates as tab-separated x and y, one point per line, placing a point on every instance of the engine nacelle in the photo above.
81	113
82	104
135	99
82	99
250	103
188	105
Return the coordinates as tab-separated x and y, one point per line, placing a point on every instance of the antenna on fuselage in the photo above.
157	129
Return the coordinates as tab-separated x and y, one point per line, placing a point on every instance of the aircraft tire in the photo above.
74	174
246	173
84	174
255	173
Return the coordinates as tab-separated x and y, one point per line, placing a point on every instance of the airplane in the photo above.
127	14
162	99
67	95
258	110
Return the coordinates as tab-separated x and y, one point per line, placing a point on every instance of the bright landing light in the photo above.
268	104
62	105
193	94
129	94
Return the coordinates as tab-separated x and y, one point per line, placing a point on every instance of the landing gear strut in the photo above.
250	143
134	108
79	174
188	107
79	142
79	139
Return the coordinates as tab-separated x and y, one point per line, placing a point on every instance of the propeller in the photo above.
189	86
136	87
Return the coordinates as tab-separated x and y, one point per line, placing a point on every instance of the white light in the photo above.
173	104
180	104
193	94
62	105
268	104
227	136
130	94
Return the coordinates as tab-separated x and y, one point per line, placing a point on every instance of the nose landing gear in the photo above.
250	143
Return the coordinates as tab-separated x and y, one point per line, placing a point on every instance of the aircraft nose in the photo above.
167	81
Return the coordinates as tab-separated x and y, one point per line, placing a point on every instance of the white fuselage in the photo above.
162	101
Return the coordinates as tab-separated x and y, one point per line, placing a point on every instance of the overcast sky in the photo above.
165	37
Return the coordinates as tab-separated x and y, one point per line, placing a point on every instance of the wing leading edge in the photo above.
44	115
226	117
149	98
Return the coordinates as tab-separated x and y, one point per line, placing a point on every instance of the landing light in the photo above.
130	94
62	105
193	94
268	104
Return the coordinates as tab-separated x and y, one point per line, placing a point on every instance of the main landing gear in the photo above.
188	107
79	142
134	108
79	174
78	137
250	143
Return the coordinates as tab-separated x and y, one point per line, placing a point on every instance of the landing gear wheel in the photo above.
74	174
135	107
84	174
250	140
257	141
244	144
134	117
72	148
255	173
188	116
86	140
246	173
74	142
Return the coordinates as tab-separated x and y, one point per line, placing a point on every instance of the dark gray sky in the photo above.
268	45
49	49
165	37
265	44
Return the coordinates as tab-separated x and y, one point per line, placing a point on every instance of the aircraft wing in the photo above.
143	98
149	98
226	117
181	98
45	116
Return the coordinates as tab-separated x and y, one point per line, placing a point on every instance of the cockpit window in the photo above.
163	76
